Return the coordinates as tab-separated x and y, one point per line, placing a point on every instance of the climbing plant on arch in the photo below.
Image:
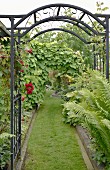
39	60
47	14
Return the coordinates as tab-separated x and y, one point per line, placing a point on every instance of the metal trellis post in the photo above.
107	47
12	92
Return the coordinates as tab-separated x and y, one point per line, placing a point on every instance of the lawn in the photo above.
52	144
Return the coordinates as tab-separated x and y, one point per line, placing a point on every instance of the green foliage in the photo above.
100	7
90	107
70	41
99	41
55	56
4	102
36	66
4	149
31	73
33	67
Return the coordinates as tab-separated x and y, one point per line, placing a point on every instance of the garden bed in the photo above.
25	135
85	139
19	163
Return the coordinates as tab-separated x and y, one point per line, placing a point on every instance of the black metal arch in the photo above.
74	24
59	5
59	29
65	20
58	18
57	15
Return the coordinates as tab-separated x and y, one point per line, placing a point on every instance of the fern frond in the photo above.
101	89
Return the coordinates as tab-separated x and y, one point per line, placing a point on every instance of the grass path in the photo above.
52	144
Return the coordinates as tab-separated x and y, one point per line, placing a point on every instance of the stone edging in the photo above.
86	142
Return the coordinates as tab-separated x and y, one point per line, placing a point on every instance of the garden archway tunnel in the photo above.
64	13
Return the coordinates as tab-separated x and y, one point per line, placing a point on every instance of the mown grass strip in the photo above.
52	144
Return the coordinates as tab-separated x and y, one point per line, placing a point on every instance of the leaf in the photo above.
1	73
71	94
6	135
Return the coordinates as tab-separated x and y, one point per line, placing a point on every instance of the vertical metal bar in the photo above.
18	73
19	106
16	113
107	47
18	36
100	62
58	10
103	57
97	61
35	18
14	131
19	124
103	63
11	91
94	67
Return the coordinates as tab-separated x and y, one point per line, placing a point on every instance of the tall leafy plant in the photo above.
91	109
38	60
4	102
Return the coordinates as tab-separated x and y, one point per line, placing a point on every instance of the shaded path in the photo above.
52	144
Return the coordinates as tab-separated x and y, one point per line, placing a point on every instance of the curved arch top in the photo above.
60	5
58	18
60	29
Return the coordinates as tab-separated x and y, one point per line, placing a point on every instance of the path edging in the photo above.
86	143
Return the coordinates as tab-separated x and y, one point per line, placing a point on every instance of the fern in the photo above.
95	125
93	110
101	134
101	89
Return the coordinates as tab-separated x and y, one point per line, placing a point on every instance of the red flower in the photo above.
29	51
29	91
22	71
21	62
29	88
22	98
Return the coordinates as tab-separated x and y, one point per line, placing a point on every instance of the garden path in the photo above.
52	144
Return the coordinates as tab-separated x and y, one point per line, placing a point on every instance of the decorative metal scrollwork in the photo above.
53	10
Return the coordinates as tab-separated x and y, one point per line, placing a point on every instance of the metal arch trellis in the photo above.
41	15
59	29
